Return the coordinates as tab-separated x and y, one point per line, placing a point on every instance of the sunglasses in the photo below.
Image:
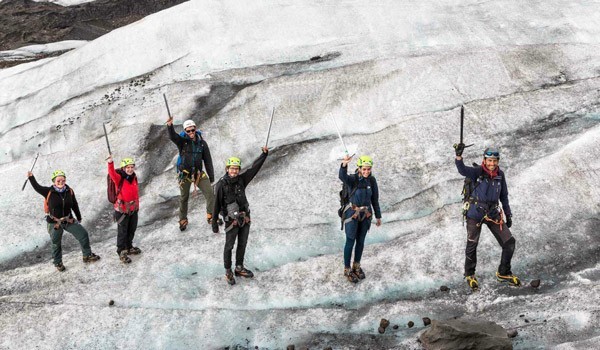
492	154
190	131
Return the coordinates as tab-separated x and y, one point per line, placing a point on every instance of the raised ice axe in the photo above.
34	161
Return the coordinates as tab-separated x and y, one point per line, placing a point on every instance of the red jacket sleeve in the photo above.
114	176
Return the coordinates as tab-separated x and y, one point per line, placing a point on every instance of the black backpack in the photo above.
111	190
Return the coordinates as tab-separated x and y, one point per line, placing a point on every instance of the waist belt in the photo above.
238	218
130	206
360	213
193	178
61	221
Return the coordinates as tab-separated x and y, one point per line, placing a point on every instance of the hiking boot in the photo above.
510	278
472	282
124	258
134	251
91	258
358	271
210	220
244	272
229	277
183	224
60	267
350	275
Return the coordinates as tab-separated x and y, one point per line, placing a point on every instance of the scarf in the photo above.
491	174
59	190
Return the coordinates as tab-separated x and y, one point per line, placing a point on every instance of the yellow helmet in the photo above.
364	161
127	161
233	161
57	173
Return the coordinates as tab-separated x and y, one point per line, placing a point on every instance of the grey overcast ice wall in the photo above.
394	75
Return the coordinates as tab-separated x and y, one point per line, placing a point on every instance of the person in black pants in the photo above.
126	206
231	203
482	208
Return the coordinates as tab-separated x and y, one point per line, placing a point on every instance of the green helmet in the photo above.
57	173
127	161
364	161
233	161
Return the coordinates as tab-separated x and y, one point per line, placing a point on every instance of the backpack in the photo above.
112	191
179	159
345	195
46	208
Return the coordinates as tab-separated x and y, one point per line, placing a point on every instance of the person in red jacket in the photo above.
126	206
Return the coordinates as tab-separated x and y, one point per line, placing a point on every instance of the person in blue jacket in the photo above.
358	214
488	189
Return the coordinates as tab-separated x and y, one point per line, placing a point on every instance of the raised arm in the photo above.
174	136
249	174
114	176
466	171
343	172
37	187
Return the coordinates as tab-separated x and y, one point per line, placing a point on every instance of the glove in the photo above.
459	148
215	229
509	221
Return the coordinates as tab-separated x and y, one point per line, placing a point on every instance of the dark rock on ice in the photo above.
466	333
384	323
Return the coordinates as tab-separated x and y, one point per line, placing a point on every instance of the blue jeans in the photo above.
356	232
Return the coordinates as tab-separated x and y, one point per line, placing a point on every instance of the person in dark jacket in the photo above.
231	203
358	214
59	202
193	151
126	206
489	188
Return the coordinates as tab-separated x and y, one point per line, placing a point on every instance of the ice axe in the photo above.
106	137
270	123
340	136
167	104
34	161
462	119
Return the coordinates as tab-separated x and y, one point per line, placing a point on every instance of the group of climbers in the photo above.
482	206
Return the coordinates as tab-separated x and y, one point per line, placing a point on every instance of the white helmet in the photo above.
188	123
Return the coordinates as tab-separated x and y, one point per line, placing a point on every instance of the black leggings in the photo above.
126	230
504	238
242	238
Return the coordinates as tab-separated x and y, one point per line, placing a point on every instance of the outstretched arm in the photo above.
114	176
251	172
466	171
343	172
174	136
37	187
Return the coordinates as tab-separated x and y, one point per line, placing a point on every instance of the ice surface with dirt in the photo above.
394	75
